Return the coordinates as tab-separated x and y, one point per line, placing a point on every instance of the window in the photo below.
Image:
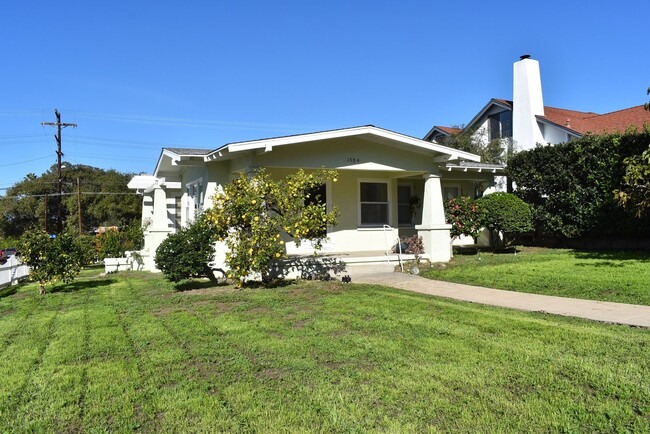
194	200
374	203
450	192
177	211
404	217
500	125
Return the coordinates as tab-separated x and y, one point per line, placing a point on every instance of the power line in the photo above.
26	161
90	193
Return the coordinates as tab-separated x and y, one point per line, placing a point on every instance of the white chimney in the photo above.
527	103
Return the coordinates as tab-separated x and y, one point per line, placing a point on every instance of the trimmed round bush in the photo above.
506	213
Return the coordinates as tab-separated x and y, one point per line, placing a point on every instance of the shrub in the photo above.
505	213
464	216
113	242
188	253
570	186
51	259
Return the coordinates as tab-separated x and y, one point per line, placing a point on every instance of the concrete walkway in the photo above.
617	313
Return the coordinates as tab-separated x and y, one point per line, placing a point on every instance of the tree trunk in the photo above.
209	273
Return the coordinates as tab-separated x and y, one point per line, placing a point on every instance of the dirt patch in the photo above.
226	306
8	311
338	333
259	310
272	374
300	324
330	365
213	290
167	311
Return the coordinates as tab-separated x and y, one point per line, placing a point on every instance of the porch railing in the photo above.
388	242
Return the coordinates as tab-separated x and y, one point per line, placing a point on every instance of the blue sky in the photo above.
139	75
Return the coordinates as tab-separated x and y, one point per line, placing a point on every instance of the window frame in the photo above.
194	200
456	186
360	204
408	203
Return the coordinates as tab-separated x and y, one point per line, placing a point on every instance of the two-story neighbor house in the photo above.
524	122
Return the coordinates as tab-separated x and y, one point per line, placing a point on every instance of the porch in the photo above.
338	264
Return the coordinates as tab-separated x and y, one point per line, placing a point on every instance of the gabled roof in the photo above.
188	151
181	155
381	134
193	156
440	130
574	122
449	130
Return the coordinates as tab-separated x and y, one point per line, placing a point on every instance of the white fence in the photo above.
12	272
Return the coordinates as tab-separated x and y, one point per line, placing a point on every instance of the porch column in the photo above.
159	228
159	209
434	230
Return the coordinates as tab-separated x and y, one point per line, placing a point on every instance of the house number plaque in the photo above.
354	160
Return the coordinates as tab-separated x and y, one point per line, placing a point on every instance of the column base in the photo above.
436	241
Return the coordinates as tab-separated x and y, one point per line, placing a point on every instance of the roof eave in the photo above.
268	144
484	110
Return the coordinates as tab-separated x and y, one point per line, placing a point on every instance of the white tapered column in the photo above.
434	230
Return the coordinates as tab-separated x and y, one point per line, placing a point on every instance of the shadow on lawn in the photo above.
188	285
8	290
607	256
474	250
81	284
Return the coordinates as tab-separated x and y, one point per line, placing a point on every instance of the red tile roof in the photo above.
586	122
449	130
615	121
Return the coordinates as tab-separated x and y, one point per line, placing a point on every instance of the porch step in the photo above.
363	268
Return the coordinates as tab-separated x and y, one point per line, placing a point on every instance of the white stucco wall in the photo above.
554	135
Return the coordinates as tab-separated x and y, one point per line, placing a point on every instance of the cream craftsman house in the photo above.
389	185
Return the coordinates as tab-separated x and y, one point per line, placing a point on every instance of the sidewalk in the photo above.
604	311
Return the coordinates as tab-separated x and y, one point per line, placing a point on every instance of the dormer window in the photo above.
500	125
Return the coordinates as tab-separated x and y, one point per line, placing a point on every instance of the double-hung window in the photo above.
194	200
374	203
404	208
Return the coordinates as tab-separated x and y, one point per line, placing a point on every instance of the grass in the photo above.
129	352
618	276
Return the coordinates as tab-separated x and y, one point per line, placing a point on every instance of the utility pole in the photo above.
46	213
59	154
79	204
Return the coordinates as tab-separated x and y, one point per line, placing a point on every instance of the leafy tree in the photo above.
188	253
108	244
464	215
505	213
114	241
51	259
635	192
647	105
473	140
253	213
33	201
570	185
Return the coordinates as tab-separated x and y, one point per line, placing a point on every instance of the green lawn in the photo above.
127	352
622	277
